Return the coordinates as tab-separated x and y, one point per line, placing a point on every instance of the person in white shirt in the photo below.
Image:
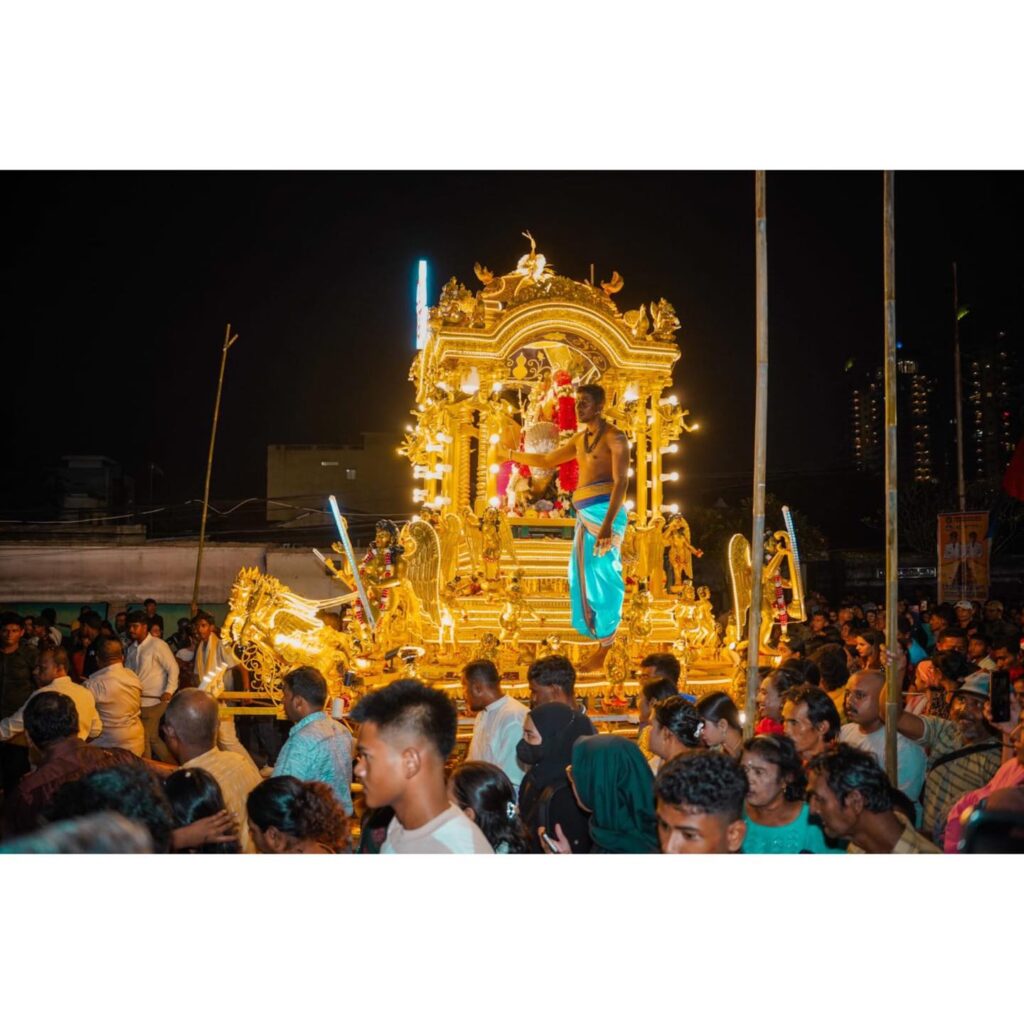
499	719
214	667
53	672
118	694
406	733
865	730
152	661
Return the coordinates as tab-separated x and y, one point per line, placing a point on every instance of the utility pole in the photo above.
892	706
760	450
229	340
961	490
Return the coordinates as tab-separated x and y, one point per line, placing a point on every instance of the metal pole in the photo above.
229	340
760	451
892	707
961	490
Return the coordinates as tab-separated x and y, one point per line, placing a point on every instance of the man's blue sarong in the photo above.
596	586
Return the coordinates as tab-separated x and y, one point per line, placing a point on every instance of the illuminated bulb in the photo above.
632	394
696	426
415	518
669	476
495	438
418	495
442	438
669	400
494	502
494	468
421	406
629	472
443	385
496	386
673	508
629	504
434	447
743	718
408	428
670	450
443	468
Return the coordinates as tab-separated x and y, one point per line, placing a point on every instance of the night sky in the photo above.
116	288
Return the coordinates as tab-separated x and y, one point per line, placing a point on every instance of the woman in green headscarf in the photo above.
611	779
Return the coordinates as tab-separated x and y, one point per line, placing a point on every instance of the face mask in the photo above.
528	753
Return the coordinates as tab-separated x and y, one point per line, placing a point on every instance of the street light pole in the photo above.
229	340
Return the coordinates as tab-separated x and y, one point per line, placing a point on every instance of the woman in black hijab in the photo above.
545	798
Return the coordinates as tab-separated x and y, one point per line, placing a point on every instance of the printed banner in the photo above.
963	550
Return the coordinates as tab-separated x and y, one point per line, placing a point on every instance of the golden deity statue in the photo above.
681	551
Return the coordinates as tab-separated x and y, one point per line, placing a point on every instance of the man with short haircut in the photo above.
406	733
1006	654
850	793
810	720
498	726
699	804
48	616
51	725
964	752
214	667
118	694
52	672
151	660
89	628
660	665
152	618
596	585
190	728
865	730
552	681
17	663
819	623
978	652
318	749
834	671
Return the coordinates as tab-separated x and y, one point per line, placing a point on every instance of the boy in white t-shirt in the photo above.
406	733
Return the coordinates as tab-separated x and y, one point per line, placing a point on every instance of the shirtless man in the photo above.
595	581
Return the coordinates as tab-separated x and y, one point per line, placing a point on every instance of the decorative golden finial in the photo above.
483	275
614	285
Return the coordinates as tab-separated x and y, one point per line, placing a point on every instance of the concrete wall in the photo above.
128	574
371	478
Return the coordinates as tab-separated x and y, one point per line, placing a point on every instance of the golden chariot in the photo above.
480	570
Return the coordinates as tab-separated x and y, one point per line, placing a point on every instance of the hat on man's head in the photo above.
964	604
975	685
994	604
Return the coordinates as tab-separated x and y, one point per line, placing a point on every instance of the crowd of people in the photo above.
115	739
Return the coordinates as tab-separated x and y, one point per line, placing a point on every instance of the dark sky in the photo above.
116	288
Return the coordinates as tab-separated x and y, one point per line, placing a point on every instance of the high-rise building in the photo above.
915	421
992	399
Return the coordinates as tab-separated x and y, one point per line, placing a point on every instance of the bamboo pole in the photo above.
892	706
229	340
760	450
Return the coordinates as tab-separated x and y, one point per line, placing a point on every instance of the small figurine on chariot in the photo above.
681	551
